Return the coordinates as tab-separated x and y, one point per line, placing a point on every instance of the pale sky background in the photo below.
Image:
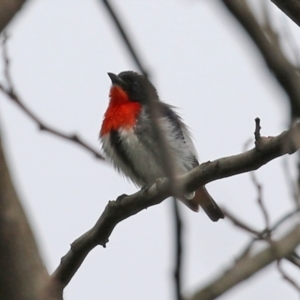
200	61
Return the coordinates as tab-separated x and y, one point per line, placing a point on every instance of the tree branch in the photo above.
291	8
22	273
247	267
126	206
266	41
8	10
286	277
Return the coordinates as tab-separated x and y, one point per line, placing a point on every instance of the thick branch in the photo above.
291	8
265	39
22	273
249	266
126	206
8	9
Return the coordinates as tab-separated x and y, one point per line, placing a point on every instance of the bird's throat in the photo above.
121	112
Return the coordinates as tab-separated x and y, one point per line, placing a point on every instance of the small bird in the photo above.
130	142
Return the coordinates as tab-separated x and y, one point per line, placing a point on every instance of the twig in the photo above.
178	250
286	276
257	130
240	223
290	182
265	235
126	206
6	60
294	259
255	181
249	266
11	93
260	200
267	44
284	218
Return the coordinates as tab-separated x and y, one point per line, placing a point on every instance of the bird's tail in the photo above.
203	198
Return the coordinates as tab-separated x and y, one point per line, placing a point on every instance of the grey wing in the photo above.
182	132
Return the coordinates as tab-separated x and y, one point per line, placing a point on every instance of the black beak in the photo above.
115	80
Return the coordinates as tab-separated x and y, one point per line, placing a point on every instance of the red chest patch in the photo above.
121	112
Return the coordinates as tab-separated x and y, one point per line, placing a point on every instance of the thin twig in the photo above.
286	277
6	60
257	130
255	180
249	266
290	182
260	200
240	223
265	234
178	250
294	259
284	218
266	42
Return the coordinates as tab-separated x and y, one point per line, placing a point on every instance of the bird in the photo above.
131	144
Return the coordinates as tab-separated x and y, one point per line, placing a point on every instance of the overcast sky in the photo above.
200	61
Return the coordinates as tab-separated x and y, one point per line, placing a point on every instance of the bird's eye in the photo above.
136	85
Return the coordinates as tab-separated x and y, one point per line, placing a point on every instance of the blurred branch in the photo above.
260	201
266	41
239	223
291	8
178	250
8	10
125	37
126	206
292	186
294	259
22	273
265	234
11	93
243	269
286	277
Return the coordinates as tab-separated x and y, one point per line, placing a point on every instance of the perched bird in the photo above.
130	142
